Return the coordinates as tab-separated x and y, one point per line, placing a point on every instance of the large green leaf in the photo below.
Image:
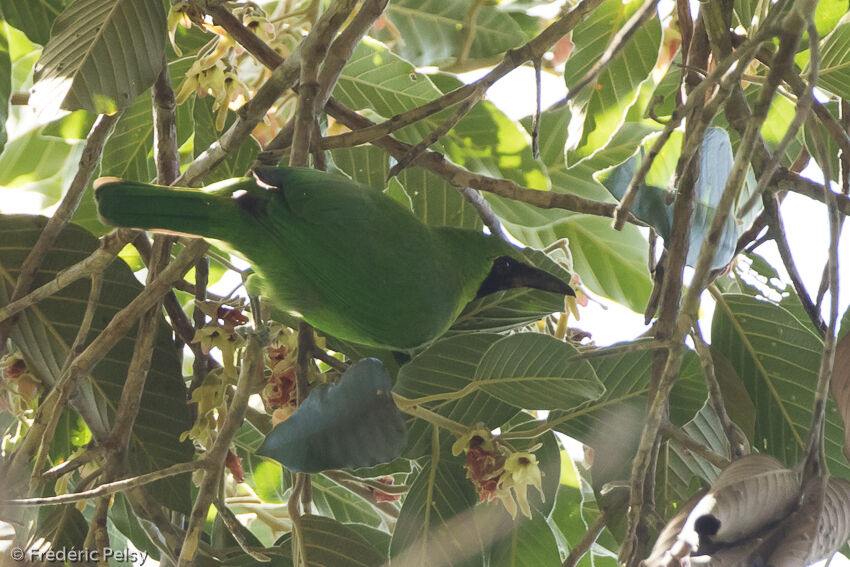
45	331
612	423
100	56
353	423
336	502
834	72
778	358
34	17
327	543
237	163
535	371
436	522
446	367
610	263
599	110
531	544
433	32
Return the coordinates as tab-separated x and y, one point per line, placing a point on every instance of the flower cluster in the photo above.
281	358
209	396
499	472
216	70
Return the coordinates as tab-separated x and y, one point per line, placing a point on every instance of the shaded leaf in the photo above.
34	17
433	31
436	520
100	56
834	72
535	371
839	386
777	357
448	366
600	108
237	163
45	331
353	423
328	543
531	543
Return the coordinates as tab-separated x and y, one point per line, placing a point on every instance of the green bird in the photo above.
344	257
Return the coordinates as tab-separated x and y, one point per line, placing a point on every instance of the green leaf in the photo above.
436	523
778	358
45	331
446	367
600	109
34	17
129	152
334	501
433	32
834	72
5	82
683	465
100	56
35	158
530	544
353	423
610	263
534	371
611	424
237	163
329	543
437	202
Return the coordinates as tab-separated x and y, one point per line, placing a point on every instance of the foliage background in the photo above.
84	344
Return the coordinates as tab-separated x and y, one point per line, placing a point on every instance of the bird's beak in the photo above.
512	273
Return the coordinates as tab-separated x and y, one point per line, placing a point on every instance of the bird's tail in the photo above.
179	210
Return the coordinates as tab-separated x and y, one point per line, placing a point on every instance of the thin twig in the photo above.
249	382
692	445
237	530
586	542
618	42
112	487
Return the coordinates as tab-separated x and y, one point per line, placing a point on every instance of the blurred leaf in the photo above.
334	501
611	424
839	386
834	74
100	56
33	17
33	157
73	126
814	133
535	371
127	523
353	423
44	333
329	543
778	358
600	108
683	465
433	32
610	263
448	366
531	544
436	520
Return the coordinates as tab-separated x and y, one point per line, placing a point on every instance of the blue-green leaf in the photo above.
353	423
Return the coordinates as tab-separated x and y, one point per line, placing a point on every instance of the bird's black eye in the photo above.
503	264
